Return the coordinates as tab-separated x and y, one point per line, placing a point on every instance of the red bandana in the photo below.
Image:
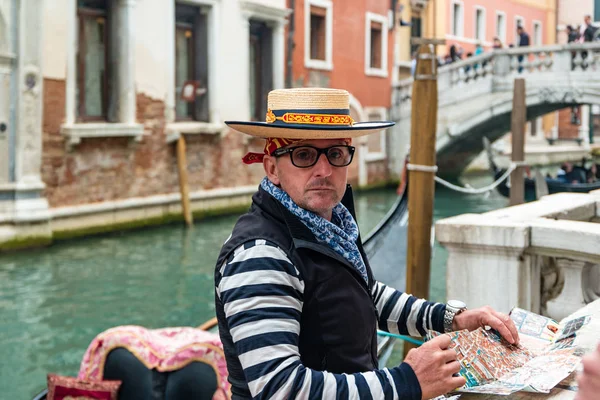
271	145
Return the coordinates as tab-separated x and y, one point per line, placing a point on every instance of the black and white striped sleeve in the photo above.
404	314
262	293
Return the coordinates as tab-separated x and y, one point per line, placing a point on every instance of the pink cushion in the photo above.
66	387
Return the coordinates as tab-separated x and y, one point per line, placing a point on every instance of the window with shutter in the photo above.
480	23
191	63
458	19
261	68
415	31
93	66
376	32
317	32
376	44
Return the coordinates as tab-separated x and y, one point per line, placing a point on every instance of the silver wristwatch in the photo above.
453	307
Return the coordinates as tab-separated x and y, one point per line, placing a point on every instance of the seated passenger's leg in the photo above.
137	379
195	381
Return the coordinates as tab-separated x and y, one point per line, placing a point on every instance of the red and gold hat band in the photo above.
305	117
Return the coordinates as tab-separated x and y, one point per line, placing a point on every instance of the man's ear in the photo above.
270	166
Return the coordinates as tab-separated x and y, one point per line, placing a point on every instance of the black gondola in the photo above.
554	185
385	246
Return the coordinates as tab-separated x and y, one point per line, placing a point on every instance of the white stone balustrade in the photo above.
544	61
475	96
543	256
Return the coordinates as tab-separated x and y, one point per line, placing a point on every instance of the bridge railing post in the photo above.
563	61
444	80
501	67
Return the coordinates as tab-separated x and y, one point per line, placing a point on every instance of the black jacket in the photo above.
339	318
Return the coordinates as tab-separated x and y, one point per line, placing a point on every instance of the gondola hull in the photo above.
554	186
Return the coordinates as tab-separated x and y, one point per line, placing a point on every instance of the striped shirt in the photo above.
262	294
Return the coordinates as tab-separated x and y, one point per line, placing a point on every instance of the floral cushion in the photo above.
69	388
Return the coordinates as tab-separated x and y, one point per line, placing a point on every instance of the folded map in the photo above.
544	357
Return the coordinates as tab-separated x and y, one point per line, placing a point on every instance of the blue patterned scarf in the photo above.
340	235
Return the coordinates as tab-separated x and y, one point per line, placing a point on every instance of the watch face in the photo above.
456	304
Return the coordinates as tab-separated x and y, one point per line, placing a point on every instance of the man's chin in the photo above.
322	204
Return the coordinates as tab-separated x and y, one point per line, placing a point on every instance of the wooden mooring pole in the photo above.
421	174
183	181
518	121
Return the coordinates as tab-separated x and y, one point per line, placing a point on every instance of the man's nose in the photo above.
322	167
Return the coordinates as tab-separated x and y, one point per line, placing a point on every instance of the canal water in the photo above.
53	301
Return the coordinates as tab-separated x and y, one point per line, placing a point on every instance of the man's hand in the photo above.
434	365
486	316
589	380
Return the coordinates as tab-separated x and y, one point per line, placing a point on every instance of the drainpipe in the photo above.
434	23
14	93
596	19
290	46
591	128
556	8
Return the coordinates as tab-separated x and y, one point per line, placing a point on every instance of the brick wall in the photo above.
567	130
378	172
102	169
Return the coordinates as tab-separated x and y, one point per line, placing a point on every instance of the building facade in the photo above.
349	46
466	23
470	22
99	92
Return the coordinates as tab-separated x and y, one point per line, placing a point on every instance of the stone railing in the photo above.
494	71
543	256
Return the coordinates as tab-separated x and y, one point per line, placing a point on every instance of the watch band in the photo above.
453	307
448	319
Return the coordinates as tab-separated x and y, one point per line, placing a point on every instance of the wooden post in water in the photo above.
422	185
183	181
518	121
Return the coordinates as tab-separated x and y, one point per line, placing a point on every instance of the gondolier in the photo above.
297	304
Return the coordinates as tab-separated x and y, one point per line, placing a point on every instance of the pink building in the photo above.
477	21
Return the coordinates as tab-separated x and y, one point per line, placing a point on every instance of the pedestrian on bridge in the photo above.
572	35
497	43
523	42
296	300
587	31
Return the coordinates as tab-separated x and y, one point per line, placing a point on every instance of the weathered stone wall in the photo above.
102	169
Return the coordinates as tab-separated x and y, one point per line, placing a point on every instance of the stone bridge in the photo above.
475	97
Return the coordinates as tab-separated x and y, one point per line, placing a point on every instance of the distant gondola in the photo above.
385	246
554	185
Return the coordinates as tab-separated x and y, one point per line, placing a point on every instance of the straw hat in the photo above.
308	113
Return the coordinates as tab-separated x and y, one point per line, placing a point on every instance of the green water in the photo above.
53	301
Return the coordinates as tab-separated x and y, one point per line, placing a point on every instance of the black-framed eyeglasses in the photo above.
307	156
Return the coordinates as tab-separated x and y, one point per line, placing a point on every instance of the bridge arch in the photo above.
462	142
